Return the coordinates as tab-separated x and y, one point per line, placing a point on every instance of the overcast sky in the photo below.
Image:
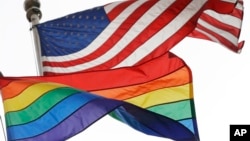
221	77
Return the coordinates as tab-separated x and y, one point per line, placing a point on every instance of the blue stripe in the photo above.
53	117
189	123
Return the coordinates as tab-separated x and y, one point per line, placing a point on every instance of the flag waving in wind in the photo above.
129	33
155	98
115	59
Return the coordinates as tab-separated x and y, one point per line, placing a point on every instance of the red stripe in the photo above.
237	13
98	80
220	6
4	82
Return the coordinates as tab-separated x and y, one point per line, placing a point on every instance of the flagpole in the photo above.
33	15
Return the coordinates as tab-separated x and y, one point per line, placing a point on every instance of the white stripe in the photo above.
230	37
136	29
226	19
103	37
164	34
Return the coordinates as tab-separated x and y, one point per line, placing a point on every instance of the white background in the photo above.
221	77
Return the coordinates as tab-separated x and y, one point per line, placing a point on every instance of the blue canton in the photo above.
72	33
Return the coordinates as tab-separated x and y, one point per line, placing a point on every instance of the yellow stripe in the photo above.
28	96
161	96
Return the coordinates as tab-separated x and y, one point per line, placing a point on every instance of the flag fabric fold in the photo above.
155	98
128	33
223	26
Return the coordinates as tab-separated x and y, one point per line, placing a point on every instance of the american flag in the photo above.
128	33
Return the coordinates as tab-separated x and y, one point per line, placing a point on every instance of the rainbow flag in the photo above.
47	111
155	98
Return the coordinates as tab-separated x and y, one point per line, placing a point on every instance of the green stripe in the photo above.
177	110
39	107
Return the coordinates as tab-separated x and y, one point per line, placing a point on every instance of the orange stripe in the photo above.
14	88
179	77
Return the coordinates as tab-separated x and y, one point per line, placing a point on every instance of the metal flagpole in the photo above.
33	14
